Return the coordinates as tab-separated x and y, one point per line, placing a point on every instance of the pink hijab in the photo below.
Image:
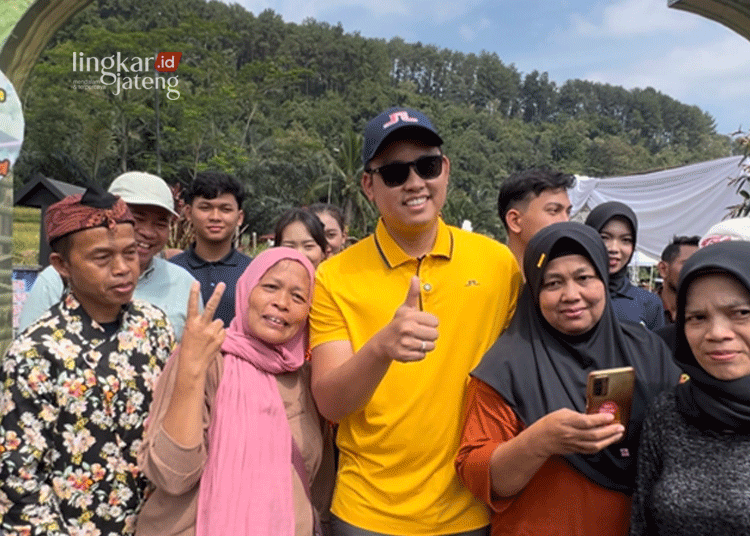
246	485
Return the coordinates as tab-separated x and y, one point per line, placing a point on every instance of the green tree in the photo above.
346	165
280	105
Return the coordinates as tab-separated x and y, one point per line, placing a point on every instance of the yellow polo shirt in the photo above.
396	472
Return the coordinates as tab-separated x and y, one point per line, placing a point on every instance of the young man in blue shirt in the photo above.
213	204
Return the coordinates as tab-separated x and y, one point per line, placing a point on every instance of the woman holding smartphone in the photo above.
528	449
694	460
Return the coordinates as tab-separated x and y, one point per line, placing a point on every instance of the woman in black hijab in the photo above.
694	464
528	449
618	226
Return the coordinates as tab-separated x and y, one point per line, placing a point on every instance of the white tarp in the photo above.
681	201
641	259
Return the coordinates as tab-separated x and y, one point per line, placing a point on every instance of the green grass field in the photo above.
10	12
25	236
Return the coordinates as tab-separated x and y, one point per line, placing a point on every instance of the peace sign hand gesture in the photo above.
201	340
202	336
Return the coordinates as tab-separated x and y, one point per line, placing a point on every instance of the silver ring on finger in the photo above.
424	346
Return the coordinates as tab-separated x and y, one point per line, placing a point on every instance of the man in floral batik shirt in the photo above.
76	384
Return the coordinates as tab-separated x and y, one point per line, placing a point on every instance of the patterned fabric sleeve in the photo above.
28	412
649	470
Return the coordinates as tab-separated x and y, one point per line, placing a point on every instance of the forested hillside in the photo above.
282	106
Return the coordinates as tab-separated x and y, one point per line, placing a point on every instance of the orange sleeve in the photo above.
488	422
557	496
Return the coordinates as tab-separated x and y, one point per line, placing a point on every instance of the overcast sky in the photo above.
631	43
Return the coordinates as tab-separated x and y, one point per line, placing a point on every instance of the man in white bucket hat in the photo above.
161	283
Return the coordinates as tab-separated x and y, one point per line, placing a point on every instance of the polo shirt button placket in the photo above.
427	287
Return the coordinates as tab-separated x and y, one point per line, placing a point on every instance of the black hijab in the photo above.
707	402
598	218
538	369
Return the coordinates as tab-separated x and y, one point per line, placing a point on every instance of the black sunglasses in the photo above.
396	173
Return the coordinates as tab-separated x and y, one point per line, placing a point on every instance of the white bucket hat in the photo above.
141	188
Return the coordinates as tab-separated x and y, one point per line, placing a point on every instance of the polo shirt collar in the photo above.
148	271
393	255
195	261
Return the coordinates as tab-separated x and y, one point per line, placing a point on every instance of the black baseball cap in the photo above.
410	125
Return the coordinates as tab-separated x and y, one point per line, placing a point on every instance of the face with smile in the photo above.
151	231
618	237
572	297
297	236
550	206
101	268
717	325
215	220
414	206
335	235
279	303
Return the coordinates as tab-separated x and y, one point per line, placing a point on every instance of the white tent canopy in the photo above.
681	201
643	260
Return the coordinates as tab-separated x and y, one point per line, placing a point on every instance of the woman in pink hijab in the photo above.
234	438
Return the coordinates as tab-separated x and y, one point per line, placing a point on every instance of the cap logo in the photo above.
395	117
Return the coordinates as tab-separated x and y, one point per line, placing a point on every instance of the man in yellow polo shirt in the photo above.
398	322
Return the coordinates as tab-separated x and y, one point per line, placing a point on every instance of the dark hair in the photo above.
333	210
309	220
62	245
672	251
517	188
211	184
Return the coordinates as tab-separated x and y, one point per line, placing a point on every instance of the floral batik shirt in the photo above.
72	406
